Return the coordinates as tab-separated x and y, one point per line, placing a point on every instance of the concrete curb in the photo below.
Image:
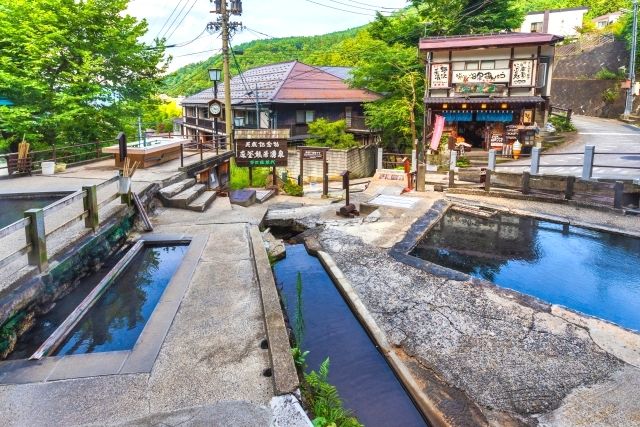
285	376
428	407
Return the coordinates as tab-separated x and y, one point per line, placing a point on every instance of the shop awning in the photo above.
457	116
494	116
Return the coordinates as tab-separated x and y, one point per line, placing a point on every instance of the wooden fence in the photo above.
33	224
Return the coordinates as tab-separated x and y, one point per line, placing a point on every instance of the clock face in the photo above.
215	109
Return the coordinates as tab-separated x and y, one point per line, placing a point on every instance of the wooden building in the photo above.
491	89
286	95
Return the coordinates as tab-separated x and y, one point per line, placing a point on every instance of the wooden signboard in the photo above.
497	141
513	133
261	147
312	153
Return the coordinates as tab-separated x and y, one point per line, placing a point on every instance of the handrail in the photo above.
65	201
12	228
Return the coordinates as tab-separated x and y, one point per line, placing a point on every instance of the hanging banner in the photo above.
438	127
522	72
439	76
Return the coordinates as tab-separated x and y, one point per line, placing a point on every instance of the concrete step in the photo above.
184	198
171	190
202	202
263	195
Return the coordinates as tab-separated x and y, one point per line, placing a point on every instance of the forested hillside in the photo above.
315	50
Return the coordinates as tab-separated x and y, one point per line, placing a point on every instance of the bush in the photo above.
606	74
562	124
325	401
240	177
463	162
611	94
293	189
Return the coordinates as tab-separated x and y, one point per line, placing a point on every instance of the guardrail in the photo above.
618	191
34	224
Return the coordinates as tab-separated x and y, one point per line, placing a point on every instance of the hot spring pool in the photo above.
592	272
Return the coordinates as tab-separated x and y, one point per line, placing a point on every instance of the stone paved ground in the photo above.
514	359
210	359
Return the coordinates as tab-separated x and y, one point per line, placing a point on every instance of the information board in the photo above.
261	147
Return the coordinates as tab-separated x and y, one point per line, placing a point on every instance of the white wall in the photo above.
562	23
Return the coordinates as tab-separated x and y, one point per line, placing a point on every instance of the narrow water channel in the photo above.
361	374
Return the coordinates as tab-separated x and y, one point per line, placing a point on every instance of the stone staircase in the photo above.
187	194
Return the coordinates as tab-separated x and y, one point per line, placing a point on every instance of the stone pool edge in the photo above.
427	406
627	345
141	358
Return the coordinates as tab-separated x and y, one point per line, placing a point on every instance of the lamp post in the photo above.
214	76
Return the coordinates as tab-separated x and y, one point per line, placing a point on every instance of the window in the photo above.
536	27
471	65
488	65
305	116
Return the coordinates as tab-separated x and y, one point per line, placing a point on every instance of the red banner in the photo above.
438	127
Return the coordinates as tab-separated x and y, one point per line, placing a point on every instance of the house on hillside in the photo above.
608	19
492	88
284	95
561	22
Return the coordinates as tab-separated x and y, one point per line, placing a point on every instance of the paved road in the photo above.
617	150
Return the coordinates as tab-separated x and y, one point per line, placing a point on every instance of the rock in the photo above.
275	247
243	198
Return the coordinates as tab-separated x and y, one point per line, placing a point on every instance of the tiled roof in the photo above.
487	40
286	82
343	72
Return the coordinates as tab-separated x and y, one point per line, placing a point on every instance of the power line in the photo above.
341	10
167	20
372	5
183	18
358	7
175	19
195	53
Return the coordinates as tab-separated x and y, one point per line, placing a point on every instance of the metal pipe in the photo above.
632	61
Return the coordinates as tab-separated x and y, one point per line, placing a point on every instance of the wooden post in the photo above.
618	189
300	176
250	176
90	202
568	191
345	186
526	188
420	177
325	175
487	180
181	155
275	178
97	149
36	236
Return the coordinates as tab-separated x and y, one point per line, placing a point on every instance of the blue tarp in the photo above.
5	102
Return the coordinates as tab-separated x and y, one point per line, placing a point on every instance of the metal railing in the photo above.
206	144
33	224
588	161
69	154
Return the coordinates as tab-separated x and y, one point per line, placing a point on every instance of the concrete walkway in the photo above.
210	367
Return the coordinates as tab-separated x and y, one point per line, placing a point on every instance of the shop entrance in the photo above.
474	133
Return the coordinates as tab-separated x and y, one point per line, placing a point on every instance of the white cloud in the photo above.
277	18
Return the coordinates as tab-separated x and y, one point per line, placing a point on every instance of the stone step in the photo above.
182	199
264	195
171	190
203	201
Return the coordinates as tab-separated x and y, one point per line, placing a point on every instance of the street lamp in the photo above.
215	75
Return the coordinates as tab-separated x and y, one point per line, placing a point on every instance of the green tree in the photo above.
74	69
330	134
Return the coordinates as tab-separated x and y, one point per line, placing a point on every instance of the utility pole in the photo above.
226	26
257	108
628	107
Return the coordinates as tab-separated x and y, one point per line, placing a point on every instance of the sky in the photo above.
275	18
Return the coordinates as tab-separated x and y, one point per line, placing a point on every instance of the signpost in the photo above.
261	148
315	153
